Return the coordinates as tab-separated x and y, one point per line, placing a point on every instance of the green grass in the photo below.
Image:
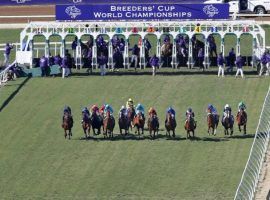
38	163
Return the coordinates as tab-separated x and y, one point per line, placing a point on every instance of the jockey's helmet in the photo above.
189	109
210	106
130	100
122	107
227	106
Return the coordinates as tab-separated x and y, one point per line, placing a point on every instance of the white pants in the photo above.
64	71
134	58
239	71
221	70
264	67
154	69
6	61
102	70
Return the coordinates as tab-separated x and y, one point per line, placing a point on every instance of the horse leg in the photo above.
239	127
231	130
173	133
245	129
69	134
65	134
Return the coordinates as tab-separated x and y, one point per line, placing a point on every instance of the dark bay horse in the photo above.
96	122
123	123
212	122
139	122
67	125
228	122
170	124
86	124
130	117
109	124
241	119
153	125
190	126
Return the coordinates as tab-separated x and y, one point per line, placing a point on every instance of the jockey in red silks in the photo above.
94	109
101	110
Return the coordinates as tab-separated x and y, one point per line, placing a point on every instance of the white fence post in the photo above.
250	177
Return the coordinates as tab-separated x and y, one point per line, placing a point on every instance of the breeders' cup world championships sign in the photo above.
141	12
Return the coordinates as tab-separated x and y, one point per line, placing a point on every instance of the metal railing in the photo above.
4	74
250	177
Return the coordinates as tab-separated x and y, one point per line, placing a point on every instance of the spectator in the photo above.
7	54
239	65
231	60
221	63
43	63
102	61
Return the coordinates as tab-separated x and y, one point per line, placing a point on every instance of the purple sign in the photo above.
58	2
141	12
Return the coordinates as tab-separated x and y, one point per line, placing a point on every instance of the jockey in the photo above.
130	104
139	109
152	111
94	109
190	112
241	106
101	110
123	111
67	110
85	111
211	109
227	110
108	108
171	111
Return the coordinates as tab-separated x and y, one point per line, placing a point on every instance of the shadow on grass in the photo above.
7	101
172	72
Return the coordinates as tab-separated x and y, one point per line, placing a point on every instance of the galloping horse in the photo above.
86	124
139	122
130	117
123	123
109	124
96	122
153	125
212	122
67	125
241	119
166	53
228	122
170	124
190	126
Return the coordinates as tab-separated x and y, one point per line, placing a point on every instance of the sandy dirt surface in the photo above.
26	11
263	190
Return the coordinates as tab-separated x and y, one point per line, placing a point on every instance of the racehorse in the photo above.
139	122
166	53
109	124
123	123
228	122
86	124
241	119
130	117
190	126
96	122
170	124
153	125
212	122
67	125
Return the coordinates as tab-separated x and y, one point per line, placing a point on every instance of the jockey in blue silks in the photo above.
171	111
139	109
108	108
85	111
67	109
212	110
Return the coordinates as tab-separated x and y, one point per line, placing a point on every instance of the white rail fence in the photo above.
250	177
